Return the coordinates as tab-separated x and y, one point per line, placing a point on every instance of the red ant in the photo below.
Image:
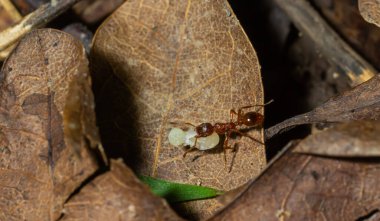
249	119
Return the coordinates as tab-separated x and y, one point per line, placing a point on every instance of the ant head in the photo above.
204	129
252	119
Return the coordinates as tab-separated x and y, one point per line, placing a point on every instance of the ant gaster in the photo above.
249	119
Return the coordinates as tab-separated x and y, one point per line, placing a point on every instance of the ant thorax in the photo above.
179	138
222	128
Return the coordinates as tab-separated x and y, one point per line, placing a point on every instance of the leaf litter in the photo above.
172	68
175	68
117	195
47	126
320	187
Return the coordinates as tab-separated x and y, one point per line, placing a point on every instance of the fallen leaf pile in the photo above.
47	126
66	117
309	187
50	143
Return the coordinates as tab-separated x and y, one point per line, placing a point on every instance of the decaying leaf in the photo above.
309	187
181	61
47	125
360	103
117	195
352	139
370	10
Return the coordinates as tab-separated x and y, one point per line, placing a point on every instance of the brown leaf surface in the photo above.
306	187
344	139
117	195
360	103
47	125
370	10
181	61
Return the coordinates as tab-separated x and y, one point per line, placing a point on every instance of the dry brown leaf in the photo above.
305	187
117	195
181	61
47	125
360	103
370	10
352	139
92	11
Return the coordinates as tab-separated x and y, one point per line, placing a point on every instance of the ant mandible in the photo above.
249	119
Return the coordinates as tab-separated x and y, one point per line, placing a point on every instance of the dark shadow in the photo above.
271	41
116	115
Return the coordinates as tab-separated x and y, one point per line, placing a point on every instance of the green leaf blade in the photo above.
178	192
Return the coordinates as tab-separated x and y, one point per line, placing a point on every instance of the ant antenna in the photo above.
271	101
257	105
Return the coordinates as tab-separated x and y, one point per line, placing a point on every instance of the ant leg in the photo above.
246	135
190	124
225	147
232	112
191	148
225	144
176	123
187	151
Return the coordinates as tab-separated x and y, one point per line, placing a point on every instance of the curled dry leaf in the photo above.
360	103
370	10
181	61
352	139
47	124
306	187
117	195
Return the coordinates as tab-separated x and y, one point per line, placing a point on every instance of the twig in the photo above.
10	9
332	47
360	103
288	124
38	18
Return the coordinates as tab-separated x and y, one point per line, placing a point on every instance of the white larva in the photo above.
178	137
